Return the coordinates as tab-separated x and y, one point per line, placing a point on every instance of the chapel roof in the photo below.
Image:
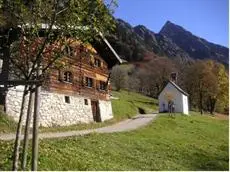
177	87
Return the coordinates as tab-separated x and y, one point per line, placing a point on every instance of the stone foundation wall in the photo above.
105	110
55	111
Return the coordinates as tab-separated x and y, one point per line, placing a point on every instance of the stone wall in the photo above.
105	110
55	111
13	102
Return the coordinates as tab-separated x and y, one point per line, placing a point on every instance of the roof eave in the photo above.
178	88
111	48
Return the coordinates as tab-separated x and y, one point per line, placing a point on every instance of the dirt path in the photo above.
127	125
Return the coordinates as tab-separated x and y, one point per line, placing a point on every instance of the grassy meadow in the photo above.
181	143
129	103
7	124
169	143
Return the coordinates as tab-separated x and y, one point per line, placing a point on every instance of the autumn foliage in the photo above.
206	82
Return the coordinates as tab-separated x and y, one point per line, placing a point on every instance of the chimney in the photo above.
173	77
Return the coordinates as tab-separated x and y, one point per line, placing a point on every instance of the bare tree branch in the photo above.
45	41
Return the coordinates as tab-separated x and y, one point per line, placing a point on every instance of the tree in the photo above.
133	82
221	98
211	86
207	85
200	78
118	77
42	29
154	75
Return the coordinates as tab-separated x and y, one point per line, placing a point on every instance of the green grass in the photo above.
128	103
7	124
181	143
78	126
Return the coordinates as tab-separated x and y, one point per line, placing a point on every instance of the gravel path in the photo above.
127	125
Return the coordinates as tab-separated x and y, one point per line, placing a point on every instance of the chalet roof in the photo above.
115	57
177	87
111	60
106	51
110	47
104	48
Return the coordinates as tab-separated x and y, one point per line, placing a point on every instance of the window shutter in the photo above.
97	85
93	83
92	60
102	64
60	75
83	80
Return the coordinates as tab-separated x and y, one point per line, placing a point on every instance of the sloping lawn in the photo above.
180	143
128	104
6	123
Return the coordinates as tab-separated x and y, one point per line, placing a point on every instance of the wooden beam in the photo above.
21	82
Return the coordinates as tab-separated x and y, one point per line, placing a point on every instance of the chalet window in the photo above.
68	77
89	82
68	51
102	85
97	63
82	48
86	102
67	99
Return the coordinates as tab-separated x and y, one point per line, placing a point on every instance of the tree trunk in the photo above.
190	102
201	103
35	124
212	105
26	135
18	133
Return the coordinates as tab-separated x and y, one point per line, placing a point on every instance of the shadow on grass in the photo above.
206	160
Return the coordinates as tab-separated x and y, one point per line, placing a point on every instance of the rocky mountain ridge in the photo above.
173	41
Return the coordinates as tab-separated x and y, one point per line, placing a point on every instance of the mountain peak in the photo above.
169	26
173	41
168	22
123	23
140	27
143	29
196	47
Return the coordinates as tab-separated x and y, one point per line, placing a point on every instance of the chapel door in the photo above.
95	111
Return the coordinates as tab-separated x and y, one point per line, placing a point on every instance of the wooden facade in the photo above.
84	72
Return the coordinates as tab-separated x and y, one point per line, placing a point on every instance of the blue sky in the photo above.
204	18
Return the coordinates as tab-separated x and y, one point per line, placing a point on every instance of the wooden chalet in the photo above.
77	92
